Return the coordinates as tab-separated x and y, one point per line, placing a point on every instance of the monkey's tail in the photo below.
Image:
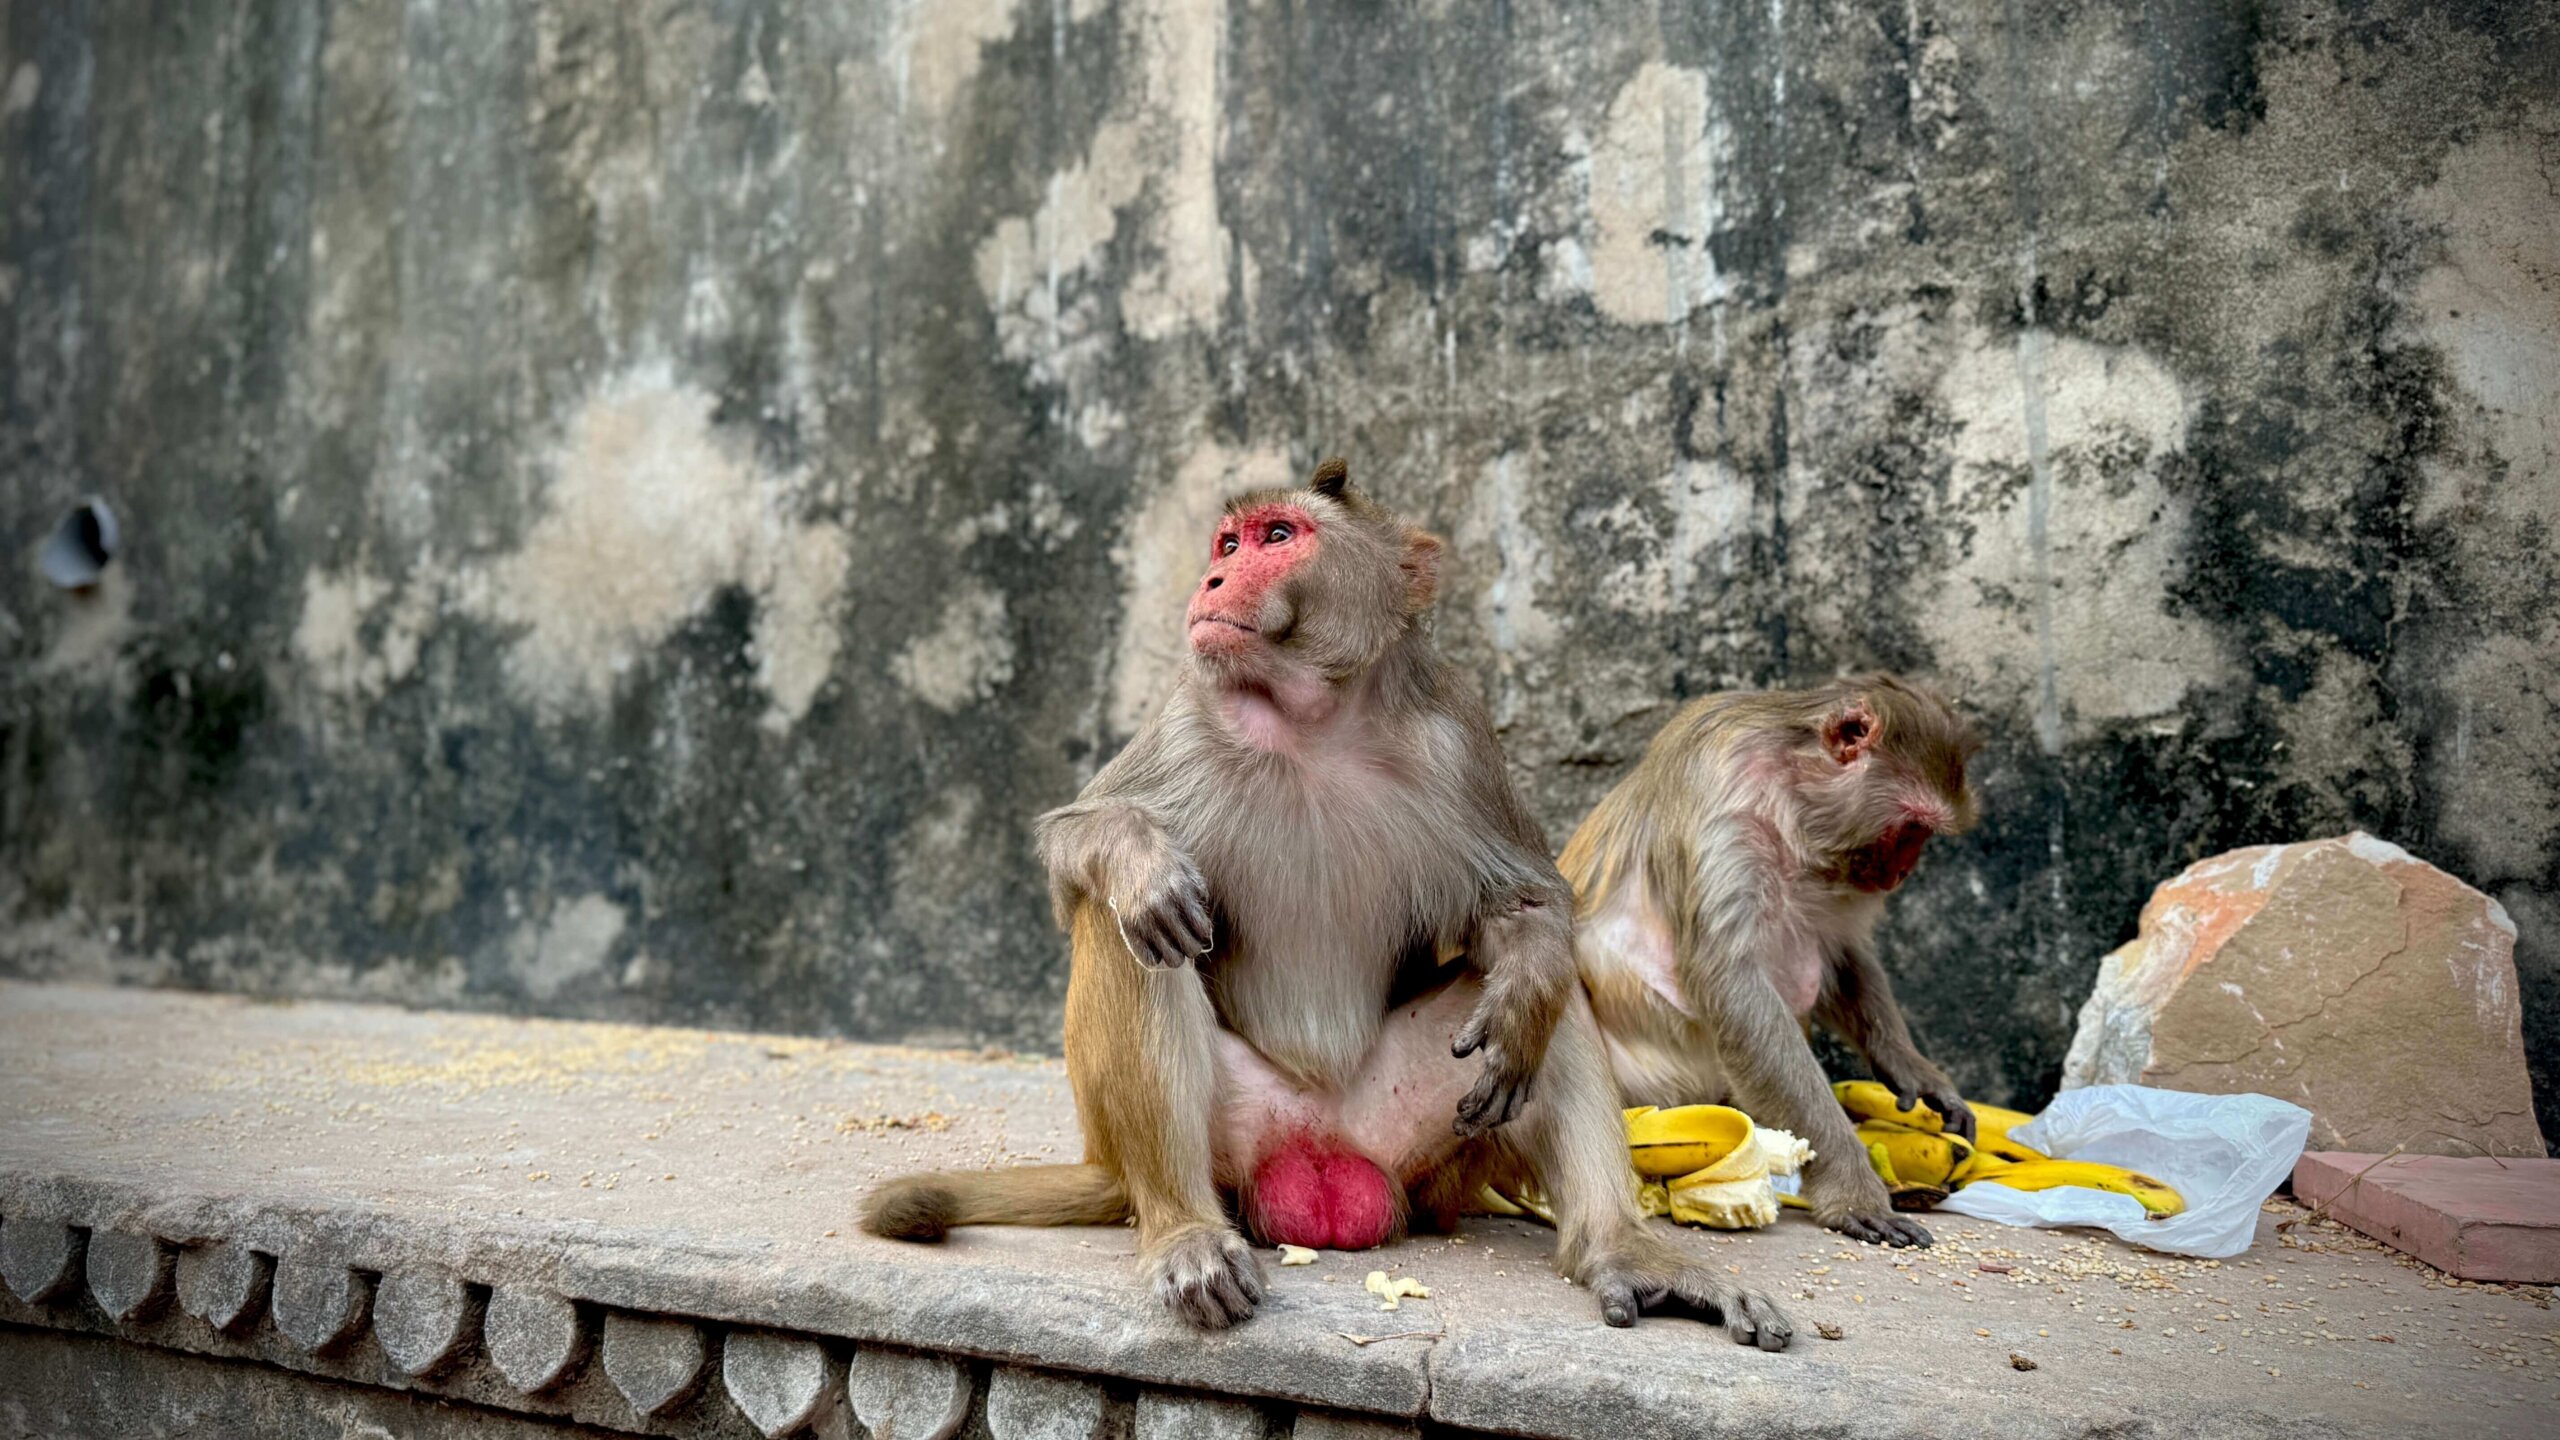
925	1207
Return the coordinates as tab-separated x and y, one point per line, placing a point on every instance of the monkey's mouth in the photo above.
1890	861
1217	632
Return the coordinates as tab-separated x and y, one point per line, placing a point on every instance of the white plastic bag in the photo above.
2224	1153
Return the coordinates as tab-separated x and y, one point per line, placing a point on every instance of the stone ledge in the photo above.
648	1232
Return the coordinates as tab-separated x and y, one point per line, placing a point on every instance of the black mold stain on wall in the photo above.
631	513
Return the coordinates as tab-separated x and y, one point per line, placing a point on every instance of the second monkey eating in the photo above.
1258	891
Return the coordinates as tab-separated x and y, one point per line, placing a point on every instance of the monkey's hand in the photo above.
1163	911
1513	1039
1917	1082
1846	1196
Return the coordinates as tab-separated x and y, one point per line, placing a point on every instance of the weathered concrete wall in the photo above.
633	508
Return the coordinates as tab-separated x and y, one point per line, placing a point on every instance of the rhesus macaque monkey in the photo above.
1258	892
1729	890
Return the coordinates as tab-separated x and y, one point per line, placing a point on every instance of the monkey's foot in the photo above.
1207	1276
1656	1279
1878	1228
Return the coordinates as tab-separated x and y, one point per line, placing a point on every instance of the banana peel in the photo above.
1698	1164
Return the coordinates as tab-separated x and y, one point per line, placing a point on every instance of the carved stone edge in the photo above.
426	1322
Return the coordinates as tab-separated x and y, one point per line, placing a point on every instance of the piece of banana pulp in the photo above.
1922	1165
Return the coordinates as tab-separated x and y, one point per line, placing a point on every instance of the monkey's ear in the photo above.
1849	732
1420	563
1331	477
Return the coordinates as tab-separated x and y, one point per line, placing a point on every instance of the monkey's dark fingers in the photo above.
1493	1100
1890	1230
1470	1037
1767	1326
1617	1296
1749	1317
1196	931
1958	1115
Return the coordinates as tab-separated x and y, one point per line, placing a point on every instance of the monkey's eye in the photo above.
1226	544
1277	535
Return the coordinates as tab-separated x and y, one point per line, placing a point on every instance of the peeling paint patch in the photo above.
2110	417
1160	144
1160	556
1653	198
94	629
2488	306
330	636
965	658
796	627
568	947
25	84
648	514
937	43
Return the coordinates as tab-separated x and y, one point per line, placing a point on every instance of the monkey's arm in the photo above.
1520	934
1857	1003
1523	944
1112	849
1725	937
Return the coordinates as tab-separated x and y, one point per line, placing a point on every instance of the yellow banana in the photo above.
1992	1125
1871	1100
2156	1196
1685	1139
1882	1160
1918	1157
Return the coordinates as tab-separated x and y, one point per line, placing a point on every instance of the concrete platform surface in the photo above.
2477	1216
711	1175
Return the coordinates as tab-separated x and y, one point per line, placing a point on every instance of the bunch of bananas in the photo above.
1922	1164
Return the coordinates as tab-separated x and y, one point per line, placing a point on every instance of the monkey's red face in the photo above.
1241	600
1900	800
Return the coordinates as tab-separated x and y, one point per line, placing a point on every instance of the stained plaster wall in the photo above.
631	508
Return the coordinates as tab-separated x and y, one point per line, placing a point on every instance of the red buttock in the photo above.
1314	1193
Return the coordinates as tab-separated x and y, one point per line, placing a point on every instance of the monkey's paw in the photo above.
1208	1277
1496	1097
1660	1280
1501	1028
1939	1093
1165	919
1877	1227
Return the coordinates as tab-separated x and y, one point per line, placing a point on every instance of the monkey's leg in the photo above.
1776	1080
1575	1137
1141	1056
1572	1137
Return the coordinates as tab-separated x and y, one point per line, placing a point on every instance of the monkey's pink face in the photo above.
1254	551
1911	808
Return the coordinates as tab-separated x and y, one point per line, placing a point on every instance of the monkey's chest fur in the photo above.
1335	866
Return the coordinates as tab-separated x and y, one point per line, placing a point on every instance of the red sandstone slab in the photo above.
2471	1216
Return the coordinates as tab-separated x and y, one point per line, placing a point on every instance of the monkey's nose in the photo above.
1214	582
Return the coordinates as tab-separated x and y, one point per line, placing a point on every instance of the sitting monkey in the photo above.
1728	893
1316	813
